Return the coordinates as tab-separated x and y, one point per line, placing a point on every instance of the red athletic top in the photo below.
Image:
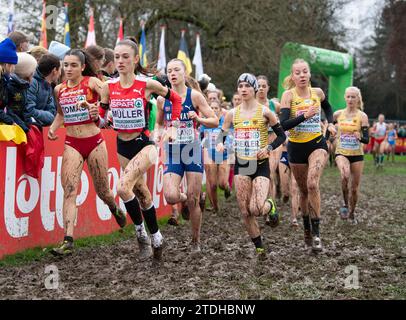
129	106
69	97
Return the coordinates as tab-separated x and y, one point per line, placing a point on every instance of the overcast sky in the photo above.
360	17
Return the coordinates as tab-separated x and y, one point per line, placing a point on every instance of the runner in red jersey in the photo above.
127	98
77	110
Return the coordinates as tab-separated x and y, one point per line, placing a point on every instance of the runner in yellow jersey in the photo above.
251	121
352	132
307	148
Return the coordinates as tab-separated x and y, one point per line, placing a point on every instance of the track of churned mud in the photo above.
374	250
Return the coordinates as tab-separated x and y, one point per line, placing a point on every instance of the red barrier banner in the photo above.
400	146
31	209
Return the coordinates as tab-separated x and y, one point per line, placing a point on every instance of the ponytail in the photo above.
288	83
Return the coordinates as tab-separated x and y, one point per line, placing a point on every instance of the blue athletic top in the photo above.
391	136
211	134
186	133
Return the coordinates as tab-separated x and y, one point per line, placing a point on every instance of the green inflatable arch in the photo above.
337	66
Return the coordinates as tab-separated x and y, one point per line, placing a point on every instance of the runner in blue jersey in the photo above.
216	166
182	146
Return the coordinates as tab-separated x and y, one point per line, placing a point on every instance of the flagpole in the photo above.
161	66
43	39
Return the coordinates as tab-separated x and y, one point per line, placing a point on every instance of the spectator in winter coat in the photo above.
17	90
40	99
8	60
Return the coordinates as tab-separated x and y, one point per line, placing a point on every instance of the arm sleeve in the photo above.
280	136
364	135
289	123
18	121
5	118
176	101
328	110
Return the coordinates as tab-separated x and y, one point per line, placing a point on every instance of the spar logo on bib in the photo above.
138	103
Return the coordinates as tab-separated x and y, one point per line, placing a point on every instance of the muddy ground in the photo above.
228	268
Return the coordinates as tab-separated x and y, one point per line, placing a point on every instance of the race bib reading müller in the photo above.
247	142
185	133
311	125
71	112
128	114
349	141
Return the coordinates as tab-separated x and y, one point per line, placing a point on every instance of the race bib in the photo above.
349	141
128	114
213	135
247	142
185	133
71	112
311	125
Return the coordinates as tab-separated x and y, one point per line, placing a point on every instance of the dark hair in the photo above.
84	59
108	56
262	77
96	52
18	38
149	72
47	63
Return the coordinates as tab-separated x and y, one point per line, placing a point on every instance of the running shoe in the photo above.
173	222
185	211
158	250
294	223
65	248
260	253
195	247
344	213
308	238
316	244
273	214
119	215
227	193
144	245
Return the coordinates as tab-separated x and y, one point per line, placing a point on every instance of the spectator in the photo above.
20	40
8	60
40	99
17	90
37	52
402	131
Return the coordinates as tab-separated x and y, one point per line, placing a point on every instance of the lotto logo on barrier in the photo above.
31	209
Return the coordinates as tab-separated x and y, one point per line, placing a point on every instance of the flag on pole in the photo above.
143	47
43	39
120	35
10	25
197	59
91	36
183	53
66	35
162	54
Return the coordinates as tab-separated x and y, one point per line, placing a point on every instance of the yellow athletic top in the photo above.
250	135
347	142
310	128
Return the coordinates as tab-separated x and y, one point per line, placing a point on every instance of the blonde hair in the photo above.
358	91
288	83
